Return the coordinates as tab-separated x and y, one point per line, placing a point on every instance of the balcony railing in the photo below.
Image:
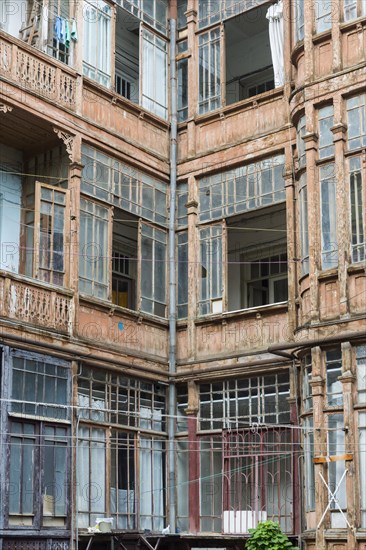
28	302
35	73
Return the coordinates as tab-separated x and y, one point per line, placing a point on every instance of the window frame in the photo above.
101	71
357	201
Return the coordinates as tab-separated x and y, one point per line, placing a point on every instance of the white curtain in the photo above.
275	18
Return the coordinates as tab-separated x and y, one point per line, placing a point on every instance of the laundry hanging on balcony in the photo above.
275	18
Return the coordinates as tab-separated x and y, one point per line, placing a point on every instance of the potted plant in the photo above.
268	536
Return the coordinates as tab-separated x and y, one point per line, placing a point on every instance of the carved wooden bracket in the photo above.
5	108
68	140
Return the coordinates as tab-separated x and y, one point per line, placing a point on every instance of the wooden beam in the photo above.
325	459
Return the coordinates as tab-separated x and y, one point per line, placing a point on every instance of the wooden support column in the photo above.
193	255
343	207
308	40
192	78
311	140
348	380
320	443
193	458
292	270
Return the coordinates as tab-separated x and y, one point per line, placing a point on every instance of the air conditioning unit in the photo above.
239	522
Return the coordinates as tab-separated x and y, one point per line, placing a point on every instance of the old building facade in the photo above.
182	318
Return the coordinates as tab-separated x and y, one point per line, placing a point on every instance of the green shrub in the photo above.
268	536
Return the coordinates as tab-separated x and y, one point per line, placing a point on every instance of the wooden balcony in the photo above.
34	71
35	303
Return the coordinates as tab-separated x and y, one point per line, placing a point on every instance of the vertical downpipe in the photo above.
172	277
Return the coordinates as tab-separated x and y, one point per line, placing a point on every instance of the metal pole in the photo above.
172	277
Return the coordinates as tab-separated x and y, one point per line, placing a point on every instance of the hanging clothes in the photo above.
57	29
74	30
275	18
67	34
63	30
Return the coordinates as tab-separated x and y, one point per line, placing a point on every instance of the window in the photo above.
211	270
250	74
325	121
361	373
153	270
358	244
182	465
123	480
323	15
356	120
301	131
236	403
350	9
354	9
154	79
123	186
182	405
333	361
182	8
182	68
97	41
336	447
38	475
93	249
59	42
242	189
124	259
299	20
209	79
328	216
304	225
306	386
209	12
110	399
211	479
91	475
182	274
127	59
120	474
153	12
265	280
50	218
40	387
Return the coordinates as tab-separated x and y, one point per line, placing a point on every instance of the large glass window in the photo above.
361	374
211	479
362	450
325	121
333	361
93	249
182	68
153	270
40	387
211	270
356	121
328	216
182	274
154	80
357	203
237	403
323	15
97	41
301	152
299	20
304	224
309	464
242	189
353	9
209	79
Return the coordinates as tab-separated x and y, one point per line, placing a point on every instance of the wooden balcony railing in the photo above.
33	303
37	72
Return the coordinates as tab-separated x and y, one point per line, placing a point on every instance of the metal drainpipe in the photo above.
172	276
